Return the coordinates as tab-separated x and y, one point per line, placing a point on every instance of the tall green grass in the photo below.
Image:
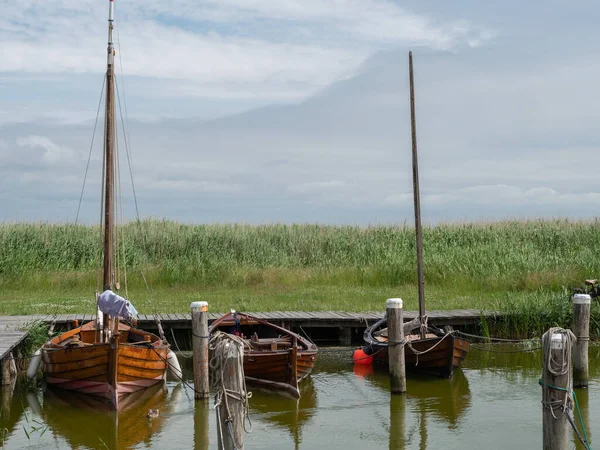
507	255
490	264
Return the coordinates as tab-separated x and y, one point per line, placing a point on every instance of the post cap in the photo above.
199	306
393	303
582	299
557	341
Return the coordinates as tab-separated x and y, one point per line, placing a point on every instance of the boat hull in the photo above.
106	370
443	355
272	362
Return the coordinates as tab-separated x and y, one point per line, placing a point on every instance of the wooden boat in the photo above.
438	353
106	358
275	358
443	352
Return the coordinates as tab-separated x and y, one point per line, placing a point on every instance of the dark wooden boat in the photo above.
275	358
444	351
107	358
439	352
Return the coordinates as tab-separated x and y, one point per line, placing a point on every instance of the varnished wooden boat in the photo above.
107	359
132	360
274	358
444	351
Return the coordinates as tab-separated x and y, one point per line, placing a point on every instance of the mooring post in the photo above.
556	373
581	328
230	410
393	310
200	346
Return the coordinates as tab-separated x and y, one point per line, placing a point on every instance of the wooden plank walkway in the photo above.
11	333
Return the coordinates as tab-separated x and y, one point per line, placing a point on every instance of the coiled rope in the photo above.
228	349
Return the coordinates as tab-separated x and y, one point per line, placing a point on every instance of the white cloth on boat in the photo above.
116	306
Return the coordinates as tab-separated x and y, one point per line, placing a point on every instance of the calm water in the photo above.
492	403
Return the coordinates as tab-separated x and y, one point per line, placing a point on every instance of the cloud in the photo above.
52	153
220	49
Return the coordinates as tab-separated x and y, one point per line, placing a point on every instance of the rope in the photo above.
492	338
559	368
221	345
509	351
87	166
583	439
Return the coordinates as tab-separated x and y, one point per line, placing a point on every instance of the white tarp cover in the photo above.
116	306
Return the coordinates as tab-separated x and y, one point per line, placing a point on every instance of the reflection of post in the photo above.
201	416
393	310
397	421
584	405
581	329
200	345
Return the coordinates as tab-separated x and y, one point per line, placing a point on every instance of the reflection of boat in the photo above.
446	399
105	358
426	352
440	353
95	426
275	358
289	414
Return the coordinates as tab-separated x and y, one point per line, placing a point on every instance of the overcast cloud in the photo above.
287	111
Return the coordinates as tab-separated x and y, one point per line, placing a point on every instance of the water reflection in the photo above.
443	398
287	413
96	426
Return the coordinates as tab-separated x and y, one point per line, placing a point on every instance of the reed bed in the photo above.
527	265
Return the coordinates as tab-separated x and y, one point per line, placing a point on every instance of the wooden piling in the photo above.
393	309
201	425
581	328
200	346
555	386
230	409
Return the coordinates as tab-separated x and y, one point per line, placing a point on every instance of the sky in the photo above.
262	111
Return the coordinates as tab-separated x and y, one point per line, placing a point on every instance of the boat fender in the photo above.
174	365
34	364
360	357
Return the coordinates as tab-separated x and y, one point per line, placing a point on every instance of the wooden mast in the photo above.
417	198
109	140
109	222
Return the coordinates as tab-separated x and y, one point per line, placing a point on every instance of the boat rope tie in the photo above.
488	338
417	352
572	400
199	336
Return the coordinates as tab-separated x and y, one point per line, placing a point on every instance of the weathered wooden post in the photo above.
200	346
231	395
581	328
556	371
393	310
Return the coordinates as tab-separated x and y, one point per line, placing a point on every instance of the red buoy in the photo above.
360	357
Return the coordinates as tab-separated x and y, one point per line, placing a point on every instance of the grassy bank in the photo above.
525	266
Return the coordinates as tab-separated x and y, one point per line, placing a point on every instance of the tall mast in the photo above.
415	166
109	140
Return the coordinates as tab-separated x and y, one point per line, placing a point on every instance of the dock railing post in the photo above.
556	374
200	346
581	328
393	310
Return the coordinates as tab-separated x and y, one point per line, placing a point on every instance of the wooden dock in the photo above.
340	323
